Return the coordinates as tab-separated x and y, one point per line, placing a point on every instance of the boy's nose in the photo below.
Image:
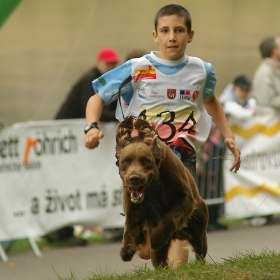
172	36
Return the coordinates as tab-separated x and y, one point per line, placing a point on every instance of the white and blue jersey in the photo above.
170	93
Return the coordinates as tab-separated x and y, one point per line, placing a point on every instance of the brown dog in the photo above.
160	197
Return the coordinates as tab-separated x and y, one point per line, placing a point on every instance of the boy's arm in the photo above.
93	112
215	110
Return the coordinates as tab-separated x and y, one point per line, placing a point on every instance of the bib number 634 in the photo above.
188	125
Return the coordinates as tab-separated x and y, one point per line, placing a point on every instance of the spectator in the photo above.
266	80
266	88
74	108
76	101
237	100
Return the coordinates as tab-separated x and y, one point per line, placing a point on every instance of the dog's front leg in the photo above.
174	220
132	237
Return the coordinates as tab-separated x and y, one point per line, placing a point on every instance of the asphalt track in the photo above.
104	258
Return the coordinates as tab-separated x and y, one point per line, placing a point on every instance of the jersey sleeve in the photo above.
108	84
211	80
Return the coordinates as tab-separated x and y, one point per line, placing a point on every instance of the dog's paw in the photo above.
127	252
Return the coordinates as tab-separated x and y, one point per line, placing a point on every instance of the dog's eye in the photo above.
145	160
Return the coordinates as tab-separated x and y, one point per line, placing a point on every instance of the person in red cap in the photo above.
74	107
108	56
75	102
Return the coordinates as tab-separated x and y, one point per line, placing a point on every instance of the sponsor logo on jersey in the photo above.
142	92
145	74
102	81
195	95
184	94
155	94
171	93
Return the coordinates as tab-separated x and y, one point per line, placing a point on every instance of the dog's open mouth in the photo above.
136	195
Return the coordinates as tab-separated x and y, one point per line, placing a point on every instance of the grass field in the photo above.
246	266
264	266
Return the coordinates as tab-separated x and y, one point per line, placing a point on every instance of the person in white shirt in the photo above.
236	98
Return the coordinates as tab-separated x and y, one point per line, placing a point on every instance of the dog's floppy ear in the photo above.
123	135
125	128
157	150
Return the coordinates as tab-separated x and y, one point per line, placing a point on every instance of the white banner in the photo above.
48	179
255	189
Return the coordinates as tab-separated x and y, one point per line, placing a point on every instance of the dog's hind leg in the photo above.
197	228
199	244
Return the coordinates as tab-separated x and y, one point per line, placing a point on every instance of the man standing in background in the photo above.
266	80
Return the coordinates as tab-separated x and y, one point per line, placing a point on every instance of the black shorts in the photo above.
189	160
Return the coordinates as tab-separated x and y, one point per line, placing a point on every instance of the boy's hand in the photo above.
92	138
230	143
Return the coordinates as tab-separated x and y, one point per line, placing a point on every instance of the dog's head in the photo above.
138	156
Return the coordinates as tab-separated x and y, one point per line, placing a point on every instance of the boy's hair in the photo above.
243	82
174	9
266	47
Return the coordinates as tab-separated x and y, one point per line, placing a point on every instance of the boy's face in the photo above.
241	94
172	37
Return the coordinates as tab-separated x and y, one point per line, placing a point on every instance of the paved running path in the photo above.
97	258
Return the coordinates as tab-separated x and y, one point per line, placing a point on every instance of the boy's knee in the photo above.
143	251
178	253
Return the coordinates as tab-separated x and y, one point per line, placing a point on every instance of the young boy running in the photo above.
175	91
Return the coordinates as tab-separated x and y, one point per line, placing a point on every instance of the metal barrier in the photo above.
209	175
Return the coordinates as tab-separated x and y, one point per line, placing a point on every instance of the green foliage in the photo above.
6	8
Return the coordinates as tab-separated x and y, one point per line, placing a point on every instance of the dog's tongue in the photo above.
136	194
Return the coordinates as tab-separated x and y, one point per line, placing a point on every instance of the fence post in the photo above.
3	254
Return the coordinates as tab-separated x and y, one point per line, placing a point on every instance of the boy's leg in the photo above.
179	249
178	253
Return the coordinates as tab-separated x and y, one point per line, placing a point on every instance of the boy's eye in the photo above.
164	30
179	30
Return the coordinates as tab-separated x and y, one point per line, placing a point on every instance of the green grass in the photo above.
264	266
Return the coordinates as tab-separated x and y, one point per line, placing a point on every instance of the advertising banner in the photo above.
255	189
48	179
